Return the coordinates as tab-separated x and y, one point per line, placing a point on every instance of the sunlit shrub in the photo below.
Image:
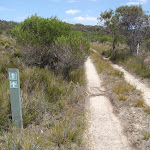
38	30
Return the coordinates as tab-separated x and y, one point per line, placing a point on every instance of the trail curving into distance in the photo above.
104	129
132	80
135	82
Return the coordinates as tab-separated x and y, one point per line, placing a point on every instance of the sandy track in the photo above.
135	82
104	129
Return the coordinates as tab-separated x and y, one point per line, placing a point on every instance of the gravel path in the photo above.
104	129
135	82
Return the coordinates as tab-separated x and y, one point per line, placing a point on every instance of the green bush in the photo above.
100	38
38	30
71	52
133	63
105	38
52	106
4	104
6	26
50	42
147	43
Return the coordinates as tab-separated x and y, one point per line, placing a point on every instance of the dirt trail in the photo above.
104	129
137	83
133	81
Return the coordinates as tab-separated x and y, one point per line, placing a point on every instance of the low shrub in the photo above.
52	107
40	31
100	38
123	97
105	38
146	136
147	43
122	87
147	110
103	65
133	63
71	52
101	47
51	43
139	103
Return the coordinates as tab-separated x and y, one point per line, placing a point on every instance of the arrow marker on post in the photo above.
15	97
13	84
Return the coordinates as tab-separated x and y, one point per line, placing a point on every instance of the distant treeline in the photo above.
93	33
90	29
6	25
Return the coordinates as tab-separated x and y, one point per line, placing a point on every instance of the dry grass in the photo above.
128	105
146	136
123	97
122	87
121	55
53	108
104	65
100	47
147	110
139	103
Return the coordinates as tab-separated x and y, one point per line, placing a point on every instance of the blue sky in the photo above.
71	11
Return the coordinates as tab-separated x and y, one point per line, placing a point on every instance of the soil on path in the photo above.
104	129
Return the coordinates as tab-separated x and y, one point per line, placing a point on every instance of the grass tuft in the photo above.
100	47
52	106
146	136
122	87
103	65
139	103
147	110
123	98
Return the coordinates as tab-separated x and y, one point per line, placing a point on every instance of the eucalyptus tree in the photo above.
129	22
108	18
133	24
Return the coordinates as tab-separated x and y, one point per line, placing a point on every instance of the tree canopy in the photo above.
38	30
130	22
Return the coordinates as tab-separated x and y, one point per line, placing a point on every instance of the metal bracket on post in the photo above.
16	108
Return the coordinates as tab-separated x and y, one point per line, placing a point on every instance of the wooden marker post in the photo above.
16	109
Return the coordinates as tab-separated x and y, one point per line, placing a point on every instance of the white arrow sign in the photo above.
13	84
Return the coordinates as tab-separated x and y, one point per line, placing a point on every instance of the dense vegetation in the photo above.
51	42
49	57
93	33
6	26
129	28
128	24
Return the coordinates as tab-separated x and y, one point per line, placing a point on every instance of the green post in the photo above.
16	109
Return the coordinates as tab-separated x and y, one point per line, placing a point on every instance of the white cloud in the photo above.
6	9
136	2
22	18
133	3
72	12
87	20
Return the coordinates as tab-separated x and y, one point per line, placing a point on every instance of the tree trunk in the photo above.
114	44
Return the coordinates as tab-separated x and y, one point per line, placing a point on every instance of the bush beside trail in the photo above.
52	43
40	31
53	107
